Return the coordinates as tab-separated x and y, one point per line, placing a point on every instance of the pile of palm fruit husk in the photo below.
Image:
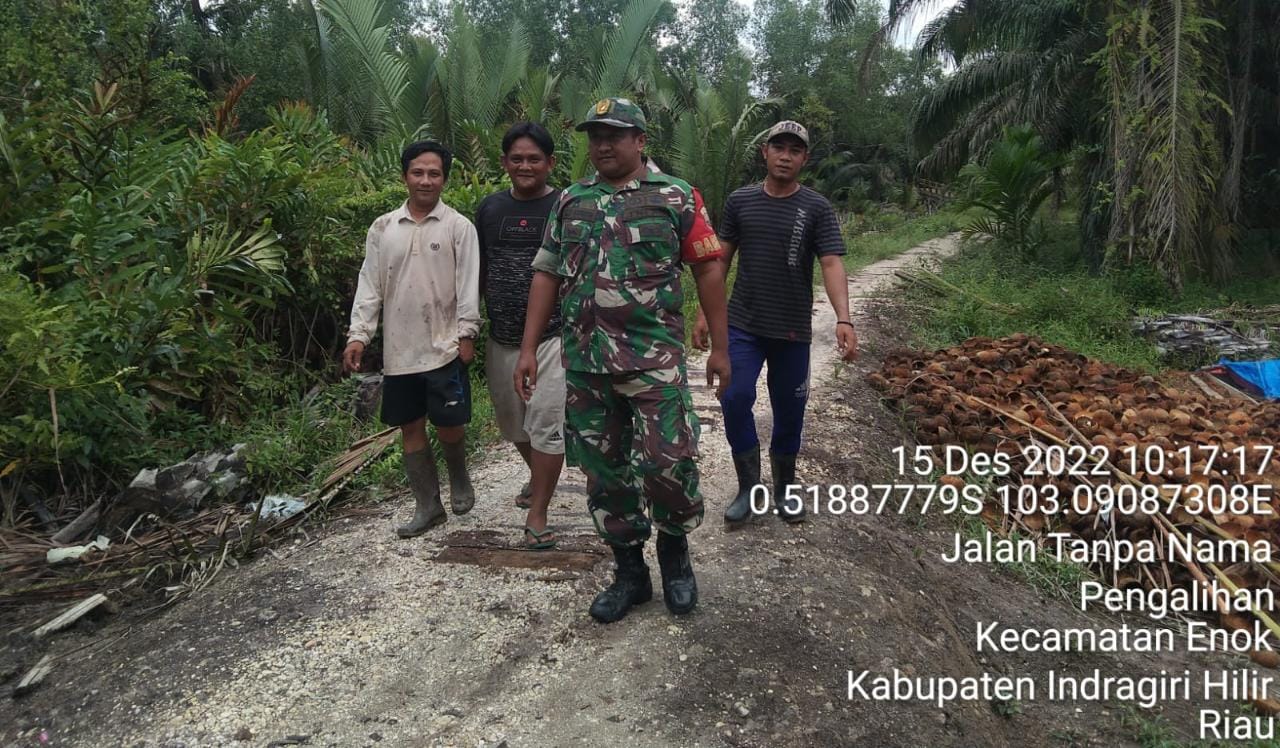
1007	394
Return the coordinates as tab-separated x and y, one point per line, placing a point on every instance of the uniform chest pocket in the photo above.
576	227
649	240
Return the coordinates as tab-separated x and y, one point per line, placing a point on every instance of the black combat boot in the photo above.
784	474
679	588
631	585
747	464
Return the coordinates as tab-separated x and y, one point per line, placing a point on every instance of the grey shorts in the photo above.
540	422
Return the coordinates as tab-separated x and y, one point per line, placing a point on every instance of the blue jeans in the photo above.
788	380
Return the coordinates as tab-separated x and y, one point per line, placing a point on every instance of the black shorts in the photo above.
442	395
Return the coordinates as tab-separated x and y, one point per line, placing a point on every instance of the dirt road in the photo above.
357	638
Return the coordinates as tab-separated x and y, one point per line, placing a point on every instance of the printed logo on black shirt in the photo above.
521	228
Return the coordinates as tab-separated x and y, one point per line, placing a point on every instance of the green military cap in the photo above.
615	112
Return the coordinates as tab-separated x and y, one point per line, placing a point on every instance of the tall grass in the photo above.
290	447
1061	301
875	236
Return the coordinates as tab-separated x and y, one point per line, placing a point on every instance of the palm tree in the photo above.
476	84
1015	61
465	92
716	138
1138	83
379	91
1009	188
625	64
357	71
1164	154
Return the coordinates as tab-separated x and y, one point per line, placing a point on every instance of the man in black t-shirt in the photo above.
777	229
510	224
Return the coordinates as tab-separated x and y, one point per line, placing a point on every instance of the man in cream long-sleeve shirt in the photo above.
421	274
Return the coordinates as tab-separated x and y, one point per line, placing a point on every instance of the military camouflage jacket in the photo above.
618	252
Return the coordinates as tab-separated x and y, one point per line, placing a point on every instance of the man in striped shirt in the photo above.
777	228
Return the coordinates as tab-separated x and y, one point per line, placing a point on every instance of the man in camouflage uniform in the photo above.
614	248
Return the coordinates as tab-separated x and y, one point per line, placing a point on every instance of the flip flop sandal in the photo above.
525	498
539	541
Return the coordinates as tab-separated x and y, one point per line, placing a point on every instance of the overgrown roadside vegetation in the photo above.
186	186
169	292
880	234
1057	297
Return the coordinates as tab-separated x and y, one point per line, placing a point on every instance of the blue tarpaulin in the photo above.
1265	375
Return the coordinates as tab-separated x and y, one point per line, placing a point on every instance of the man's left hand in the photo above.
466	350
718	369
846	341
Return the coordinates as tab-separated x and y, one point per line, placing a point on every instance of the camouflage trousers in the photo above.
635	436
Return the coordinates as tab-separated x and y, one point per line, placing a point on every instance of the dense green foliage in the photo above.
185	185
1169	108
161	283
1055	297
1009	188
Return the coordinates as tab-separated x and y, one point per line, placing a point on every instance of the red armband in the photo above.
700	243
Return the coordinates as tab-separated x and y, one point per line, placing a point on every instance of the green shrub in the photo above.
1141	285
1009	188
161	288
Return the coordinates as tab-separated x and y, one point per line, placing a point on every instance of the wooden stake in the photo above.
34	676
73	614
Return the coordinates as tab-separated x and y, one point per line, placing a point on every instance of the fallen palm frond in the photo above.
936	284
1132	431
1249	316
188	554
1204	335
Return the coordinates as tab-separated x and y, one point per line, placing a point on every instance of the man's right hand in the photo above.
351	356
525	378
701	332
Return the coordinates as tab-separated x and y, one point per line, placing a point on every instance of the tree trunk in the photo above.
1238	122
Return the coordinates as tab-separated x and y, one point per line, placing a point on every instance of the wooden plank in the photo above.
1212	393
380	435
491	549
512	558
1233	390
73	614
494	539
80	525
34	676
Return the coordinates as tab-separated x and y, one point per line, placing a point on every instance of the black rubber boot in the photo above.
461	496
631	585
420	467
679	587
784	474
747	464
